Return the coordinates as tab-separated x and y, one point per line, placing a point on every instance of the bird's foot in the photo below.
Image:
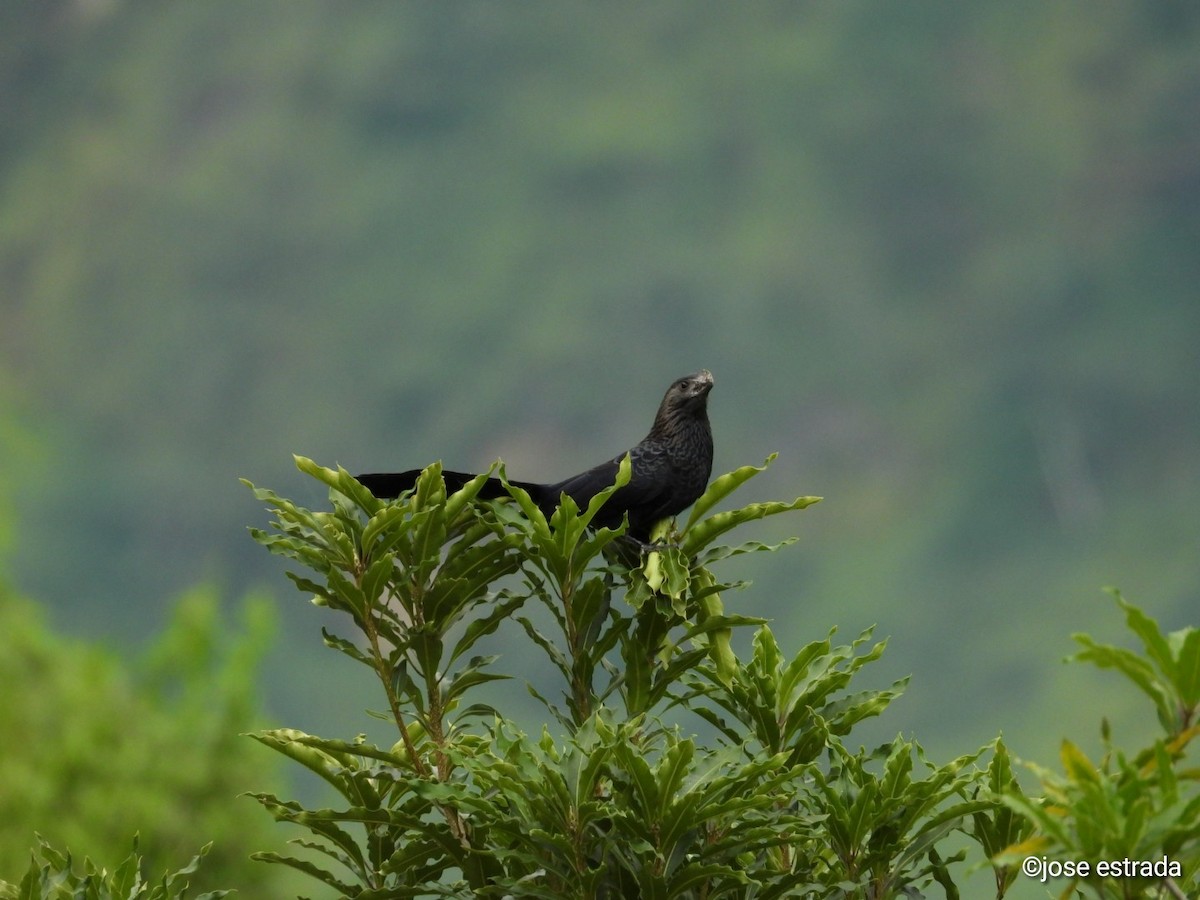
649	546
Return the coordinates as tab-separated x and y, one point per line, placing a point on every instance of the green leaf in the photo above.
502	609
1133	667
1152	638
697	537
1171	677
384	530
716	554
710	611
471	676
624	473
347	647
309	868
1187	664
1078	767
671	770
548	646
897	771
376	579
722	487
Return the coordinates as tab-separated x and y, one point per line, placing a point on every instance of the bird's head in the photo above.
688	394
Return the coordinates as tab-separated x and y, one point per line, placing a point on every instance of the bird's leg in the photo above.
660	538
640	545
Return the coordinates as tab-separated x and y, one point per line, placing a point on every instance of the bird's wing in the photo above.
645	489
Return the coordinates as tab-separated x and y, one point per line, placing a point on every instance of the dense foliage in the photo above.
672	765
1134	817
97	747
54	875
621	798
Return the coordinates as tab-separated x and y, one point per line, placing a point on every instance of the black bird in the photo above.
669	468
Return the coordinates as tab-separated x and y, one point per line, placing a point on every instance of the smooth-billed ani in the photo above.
670	468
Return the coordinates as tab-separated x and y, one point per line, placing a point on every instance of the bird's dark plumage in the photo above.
669	468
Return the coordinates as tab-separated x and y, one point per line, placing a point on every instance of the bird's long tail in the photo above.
393	484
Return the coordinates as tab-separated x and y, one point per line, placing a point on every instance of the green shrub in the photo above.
54	877
1133	819
622	798
97	748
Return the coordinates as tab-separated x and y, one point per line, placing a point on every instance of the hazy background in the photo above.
943	258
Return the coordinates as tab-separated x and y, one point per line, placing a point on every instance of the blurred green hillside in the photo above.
944	258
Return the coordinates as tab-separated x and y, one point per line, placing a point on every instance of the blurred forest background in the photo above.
944	258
